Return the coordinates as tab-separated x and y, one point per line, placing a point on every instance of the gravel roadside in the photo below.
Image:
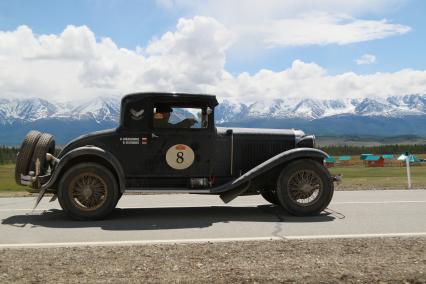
355	187
309	261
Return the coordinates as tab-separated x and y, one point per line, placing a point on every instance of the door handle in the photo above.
153	135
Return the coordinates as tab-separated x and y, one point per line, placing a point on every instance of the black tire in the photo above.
120	194
46	144
101	197
26	150
270	196
304	188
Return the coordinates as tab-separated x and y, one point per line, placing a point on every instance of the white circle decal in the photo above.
180	156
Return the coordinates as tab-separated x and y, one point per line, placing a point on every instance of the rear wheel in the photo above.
23	160
304	187
88	191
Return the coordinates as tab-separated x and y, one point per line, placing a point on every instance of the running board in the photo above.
166	190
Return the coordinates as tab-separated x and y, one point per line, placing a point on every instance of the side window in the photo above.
169	116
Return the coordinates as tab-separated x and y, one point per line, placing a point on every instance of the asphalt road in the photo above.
193	218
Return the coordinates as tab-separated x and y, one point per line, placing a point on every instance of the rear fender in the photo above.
87	151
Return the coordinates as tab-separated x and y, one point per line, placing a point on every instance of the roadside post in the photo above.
407	163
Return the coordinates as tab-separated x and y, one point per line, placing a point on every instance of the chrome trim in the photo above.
298	135
27	180
52	160
37	167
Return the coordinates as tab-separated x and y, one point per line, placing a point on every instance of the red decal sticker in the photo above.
180	147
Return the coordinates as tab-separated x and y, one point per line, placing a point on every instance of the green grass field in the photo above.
355	177
7	180
379	178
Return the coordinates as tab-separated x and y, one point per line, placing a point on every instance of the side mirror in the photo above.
209	111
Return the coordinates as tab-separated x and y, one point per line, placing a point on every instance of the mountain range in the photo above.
395	115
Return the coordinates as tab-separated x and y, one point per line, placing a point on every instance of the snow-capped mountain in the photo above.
27	110
108	109
99	110
372	116
312	109
33	109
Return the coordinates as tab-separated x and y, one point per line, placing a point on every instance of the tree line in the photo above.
395	149
8	155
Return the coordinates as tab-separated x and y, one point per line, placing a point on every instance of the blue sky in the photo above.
134	23
392	34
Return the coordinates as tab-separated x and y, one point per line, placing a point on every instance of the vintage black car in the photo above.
168	142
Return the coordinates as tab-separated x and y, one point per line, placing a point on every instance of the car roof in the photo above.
171	97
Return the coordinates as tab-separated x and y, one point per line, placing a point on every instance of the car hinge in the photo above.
232	154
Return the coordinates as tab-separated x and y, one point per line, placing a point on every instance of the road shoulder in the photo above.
348	260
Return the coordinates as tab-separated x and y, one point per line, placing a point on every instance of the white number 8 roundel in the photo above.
180	157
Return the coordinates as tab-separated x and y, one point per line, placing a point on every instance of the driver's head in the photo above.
164	110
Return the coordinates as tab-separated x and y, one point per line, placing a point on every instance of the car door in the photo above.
133	138
180	152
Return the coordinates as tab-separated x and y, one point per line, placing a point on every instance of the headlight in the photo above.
307	141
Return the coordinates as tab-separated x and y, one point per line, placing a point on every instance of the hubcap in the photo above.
304	187
88	191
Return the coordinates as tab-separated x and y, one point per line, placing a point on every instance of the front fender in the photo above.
87	151
284	157
234	188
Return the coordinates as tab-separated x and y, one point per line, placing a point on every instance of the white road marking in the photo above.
136	242
213	240
231	205
22	209
379	202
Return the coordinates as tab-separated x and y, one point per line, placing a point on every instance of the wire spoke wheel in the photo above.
88	191
305	187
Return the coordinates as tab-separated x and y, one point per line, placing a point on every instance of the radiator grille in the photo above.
250	154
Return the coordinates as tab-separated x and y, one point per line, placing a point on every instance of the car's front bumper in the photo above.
34	182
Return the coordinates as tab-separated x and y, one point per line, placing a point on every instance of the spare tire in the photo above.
25	153
46	144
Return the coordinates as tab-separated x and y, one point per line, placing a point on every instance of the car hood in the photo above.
261	131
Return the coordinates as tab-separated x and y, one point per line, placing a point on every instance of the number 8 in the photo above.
179	158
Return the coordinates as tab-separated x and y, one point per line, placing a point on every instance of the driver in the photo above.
162	116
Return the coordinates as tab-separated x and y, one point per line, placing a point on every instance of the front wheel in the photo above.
88	191
304	187
270	196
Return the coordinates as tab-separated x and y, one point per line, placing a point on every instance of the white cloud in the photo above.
66	66
238	11
194	54
277	23
309	80
323	29
74	65
366	59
